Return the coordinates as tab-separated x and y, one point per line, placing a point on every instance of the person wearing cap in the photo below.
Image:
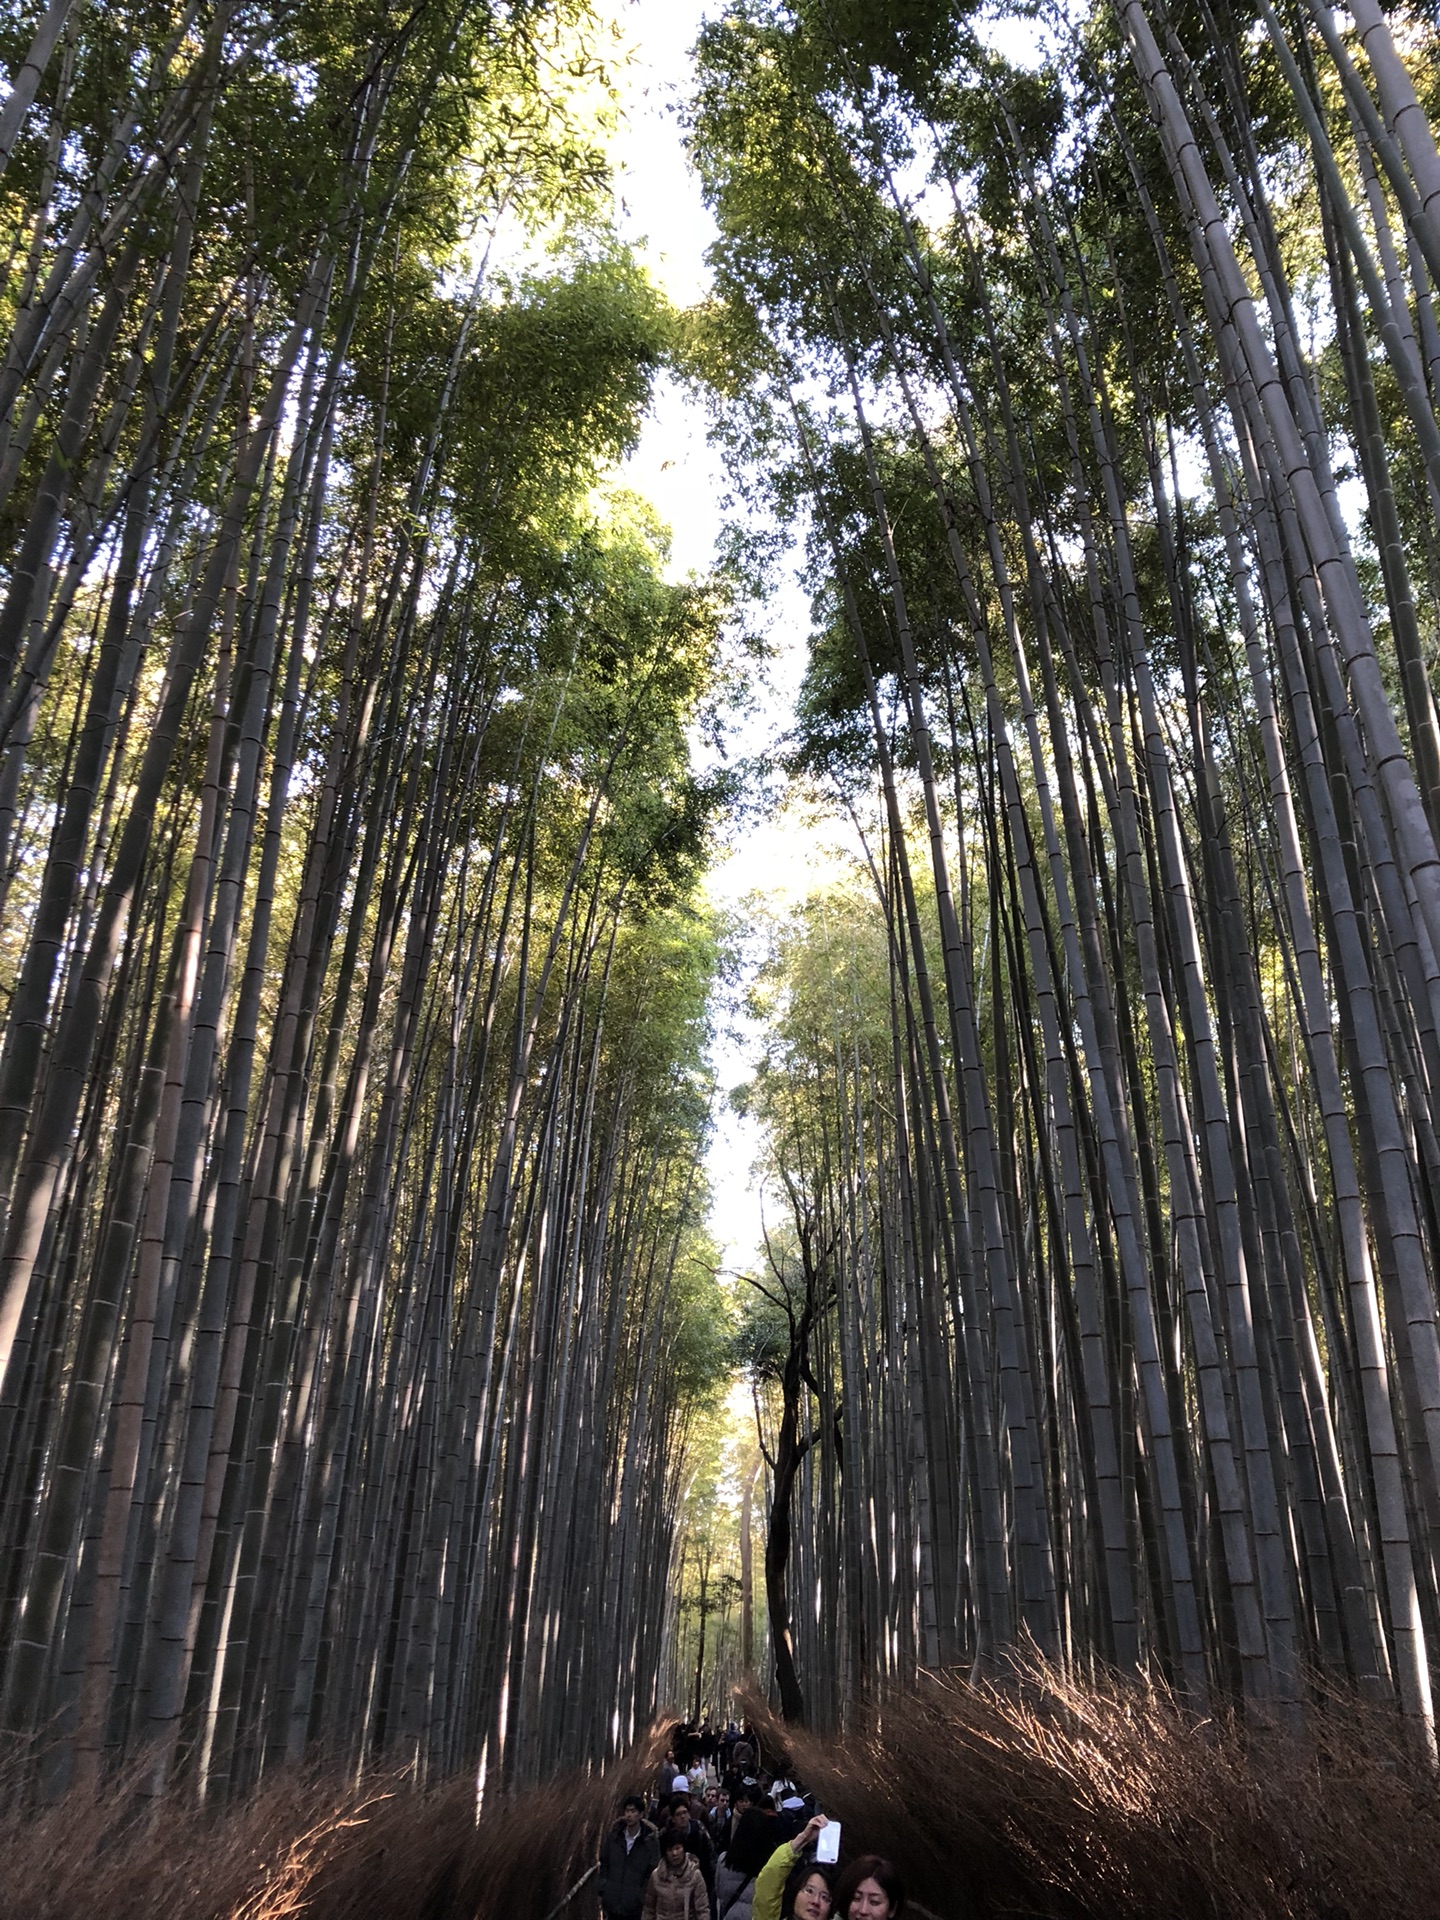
672	1786
794	1811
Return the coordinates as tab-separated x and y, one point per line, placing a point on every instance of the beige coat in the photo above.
677	1896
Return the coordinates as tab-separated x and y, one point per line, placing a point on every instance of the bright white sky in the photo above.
776	860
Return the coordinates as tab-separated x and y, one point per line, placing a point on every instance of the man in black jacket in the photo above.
629	1854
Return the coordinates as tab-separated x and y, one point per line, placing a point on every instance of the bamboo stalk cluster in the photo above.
1107	1128
351	1086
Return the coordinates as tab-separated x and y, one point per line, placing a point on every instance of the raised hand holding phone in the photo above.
827	1846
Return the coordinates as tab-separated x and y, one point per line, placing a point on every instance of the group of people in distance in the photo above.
723	1839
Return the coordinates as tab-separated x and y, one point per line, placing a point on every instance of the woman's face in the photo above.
869	1902
812	1902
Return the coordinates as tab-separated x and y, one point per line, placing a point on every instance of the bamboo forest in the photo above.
720	957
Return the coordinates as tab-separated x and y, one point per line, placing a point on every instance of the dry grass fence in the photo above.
308	1847
1049	1800
1037	1798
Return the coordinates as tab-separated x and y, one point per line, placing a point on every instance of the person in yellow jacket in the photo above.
809	1897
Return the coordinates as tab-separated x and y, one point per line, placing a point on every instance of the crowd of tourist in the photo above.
721	1837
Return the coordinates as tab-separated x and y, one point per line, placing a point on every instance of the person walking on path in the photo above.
676	1889
629	1854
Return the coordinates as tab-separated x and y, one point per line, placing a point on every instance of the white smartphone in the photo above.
827	1844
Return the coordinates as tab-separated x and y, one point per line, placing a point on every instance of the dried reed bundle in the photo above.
1040	1797
314	1847
426	1857
109	1857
